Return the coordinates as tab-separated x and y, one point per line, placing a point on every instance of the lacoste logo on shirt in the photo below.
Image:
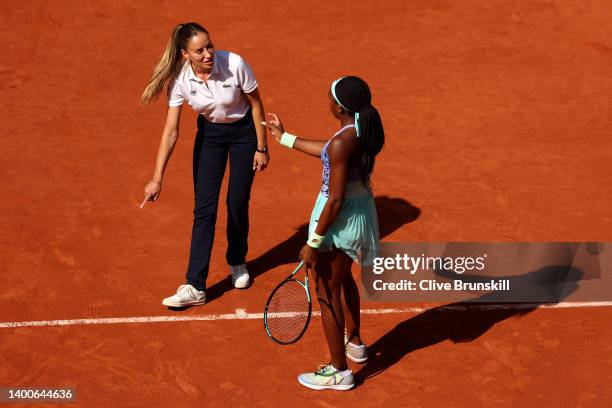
227	85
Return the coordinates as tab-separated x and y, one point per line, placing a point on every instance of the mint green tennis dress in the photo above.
355	230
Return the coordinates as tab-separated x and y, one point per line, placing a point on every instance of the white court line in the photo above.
241	314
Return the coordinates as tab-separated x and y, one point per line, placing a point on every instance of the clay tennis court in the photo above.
497	117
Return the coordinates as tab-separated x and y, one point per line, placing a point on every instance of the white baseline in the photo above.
241	314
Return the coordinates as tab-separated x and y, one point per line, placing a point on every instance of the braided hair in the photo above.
353	94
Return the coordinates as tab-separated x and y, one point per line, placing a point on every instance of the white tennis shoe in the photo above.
328	378
240	276
186	295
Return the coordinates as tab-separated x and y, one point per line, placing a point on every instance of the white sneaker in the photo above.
186	295
357	354
240	276
328	378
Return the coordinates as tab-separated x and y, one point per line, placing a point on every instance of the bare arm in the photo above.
258	116
308	146
260	160
169	137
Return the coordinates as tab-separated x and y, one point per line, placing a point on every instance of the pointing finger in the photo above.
273	118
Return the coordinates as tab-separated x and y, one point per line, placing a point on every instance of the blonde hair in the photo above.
170	64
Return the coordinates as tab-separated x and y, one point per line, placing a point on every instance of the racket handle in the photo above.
297	268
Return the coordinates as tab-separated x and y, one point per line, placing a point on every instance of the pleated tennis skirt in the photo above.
355	230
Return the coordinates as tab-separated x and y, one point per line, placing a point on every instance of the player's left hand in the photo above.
274	125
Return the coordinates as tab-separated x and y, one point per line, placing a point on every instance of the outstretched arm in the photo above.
308	146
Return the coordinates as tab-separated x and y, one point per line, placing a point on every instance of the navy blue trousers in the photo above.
214	144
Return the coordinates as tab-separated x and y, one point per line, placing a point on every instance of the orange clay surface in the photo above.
498	123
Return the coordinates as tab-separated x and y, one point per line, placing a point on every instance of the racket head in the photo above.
288	311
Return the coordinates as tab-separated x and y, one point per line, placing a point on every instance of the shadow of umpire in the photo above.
468	320
393	213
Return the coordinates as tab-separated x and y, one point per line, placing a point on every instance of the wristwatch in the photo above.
264	150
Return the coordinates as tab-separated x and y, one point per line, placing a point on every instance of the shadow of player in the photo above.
465	321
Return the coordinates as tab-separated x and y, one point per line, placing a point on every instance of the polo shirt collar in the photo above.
193	77
215	67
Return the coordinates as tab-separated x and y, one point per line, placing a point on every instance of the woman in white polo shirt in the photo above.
222	88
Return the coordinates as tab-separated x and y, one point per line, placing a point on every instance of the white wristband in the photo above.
288	140
315	240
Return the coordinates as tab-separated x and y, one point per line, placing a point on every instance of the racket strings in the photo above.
288	312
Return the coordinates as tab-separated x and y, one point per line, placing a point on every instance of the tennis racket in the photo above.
288	309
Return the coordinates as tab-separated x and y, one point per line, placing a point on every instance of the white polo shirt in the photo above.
221	98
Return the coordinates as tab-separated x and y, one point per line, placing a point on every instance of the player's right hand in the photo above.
309	256
151	192
275	125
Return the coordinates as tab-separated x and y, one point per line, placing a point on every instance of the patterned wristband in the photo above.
288	140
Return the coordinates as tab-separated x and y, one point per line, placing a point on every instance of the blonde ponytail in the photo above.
170	64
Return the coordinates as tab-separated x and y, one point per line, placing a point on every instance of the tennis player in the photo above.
343	224
222	88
